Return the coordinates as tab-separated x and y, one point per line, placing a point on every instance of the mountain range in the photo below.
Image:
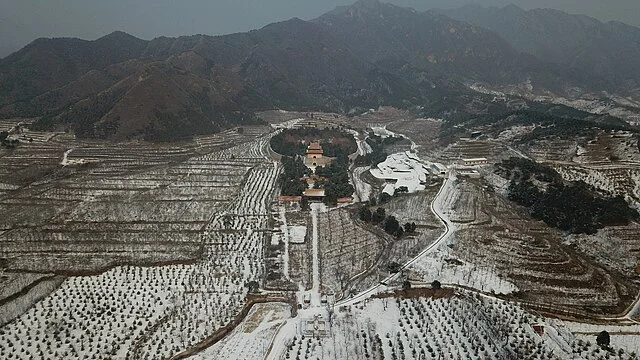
579	43
353	58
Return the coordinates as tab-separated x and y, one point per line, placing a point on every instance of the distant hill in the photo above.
208	82
392	37
583	44
348	60
428	45
46	64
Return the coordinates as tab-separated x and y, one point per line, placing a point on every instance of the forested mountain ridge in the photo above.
353	58
610	50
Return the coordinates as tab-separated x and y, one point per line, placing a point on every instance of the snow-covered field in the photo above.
155	312
465	326
467	239
346	250
297	234
390	328
624	337
616	246
252	339
381	130
444	266
289	124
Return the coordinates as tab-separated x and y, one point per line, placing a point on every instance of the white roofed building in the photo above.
402	170
475	161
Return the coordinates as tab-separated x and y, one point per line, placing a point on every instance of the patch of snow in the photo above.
363	189
315	289
481	89
381	131
622	336
252	338
297	234
65	157
285	232
290	124
403	169
442	265
5	186
514	131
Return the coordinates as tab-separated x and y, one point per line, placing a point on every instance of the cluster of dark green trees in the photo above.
294	142
389	223
564	128
551	120
294	169
575	207
519	169
337	183
603	339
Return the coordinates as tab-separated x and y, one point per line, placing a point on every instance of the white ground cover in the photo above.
625	337
13	309
13	283
363	147
404	169
297	233
289	124
253	337
514	131
436	267
381	131
148	313
596	178
315	267
347	250
463	327
443	265
363	190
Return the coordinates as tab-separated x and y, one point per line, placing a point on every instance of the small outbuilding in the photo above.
439	169
475	161
314	194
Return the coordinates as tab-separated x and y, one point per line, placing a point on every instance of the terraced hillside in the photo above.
466	149
211	210
495	235
73	207
347	251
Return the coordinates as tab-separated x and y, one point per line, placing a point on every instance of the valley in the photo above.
197	233
375	182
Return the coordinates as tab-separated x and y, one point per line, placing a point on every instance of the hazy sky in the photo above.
24	20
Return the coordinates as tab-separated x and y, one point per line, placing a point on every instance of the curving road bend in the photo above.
437	209
291	327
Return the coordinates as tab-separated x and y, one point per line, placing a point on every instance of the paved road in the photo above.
436	208
315	289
